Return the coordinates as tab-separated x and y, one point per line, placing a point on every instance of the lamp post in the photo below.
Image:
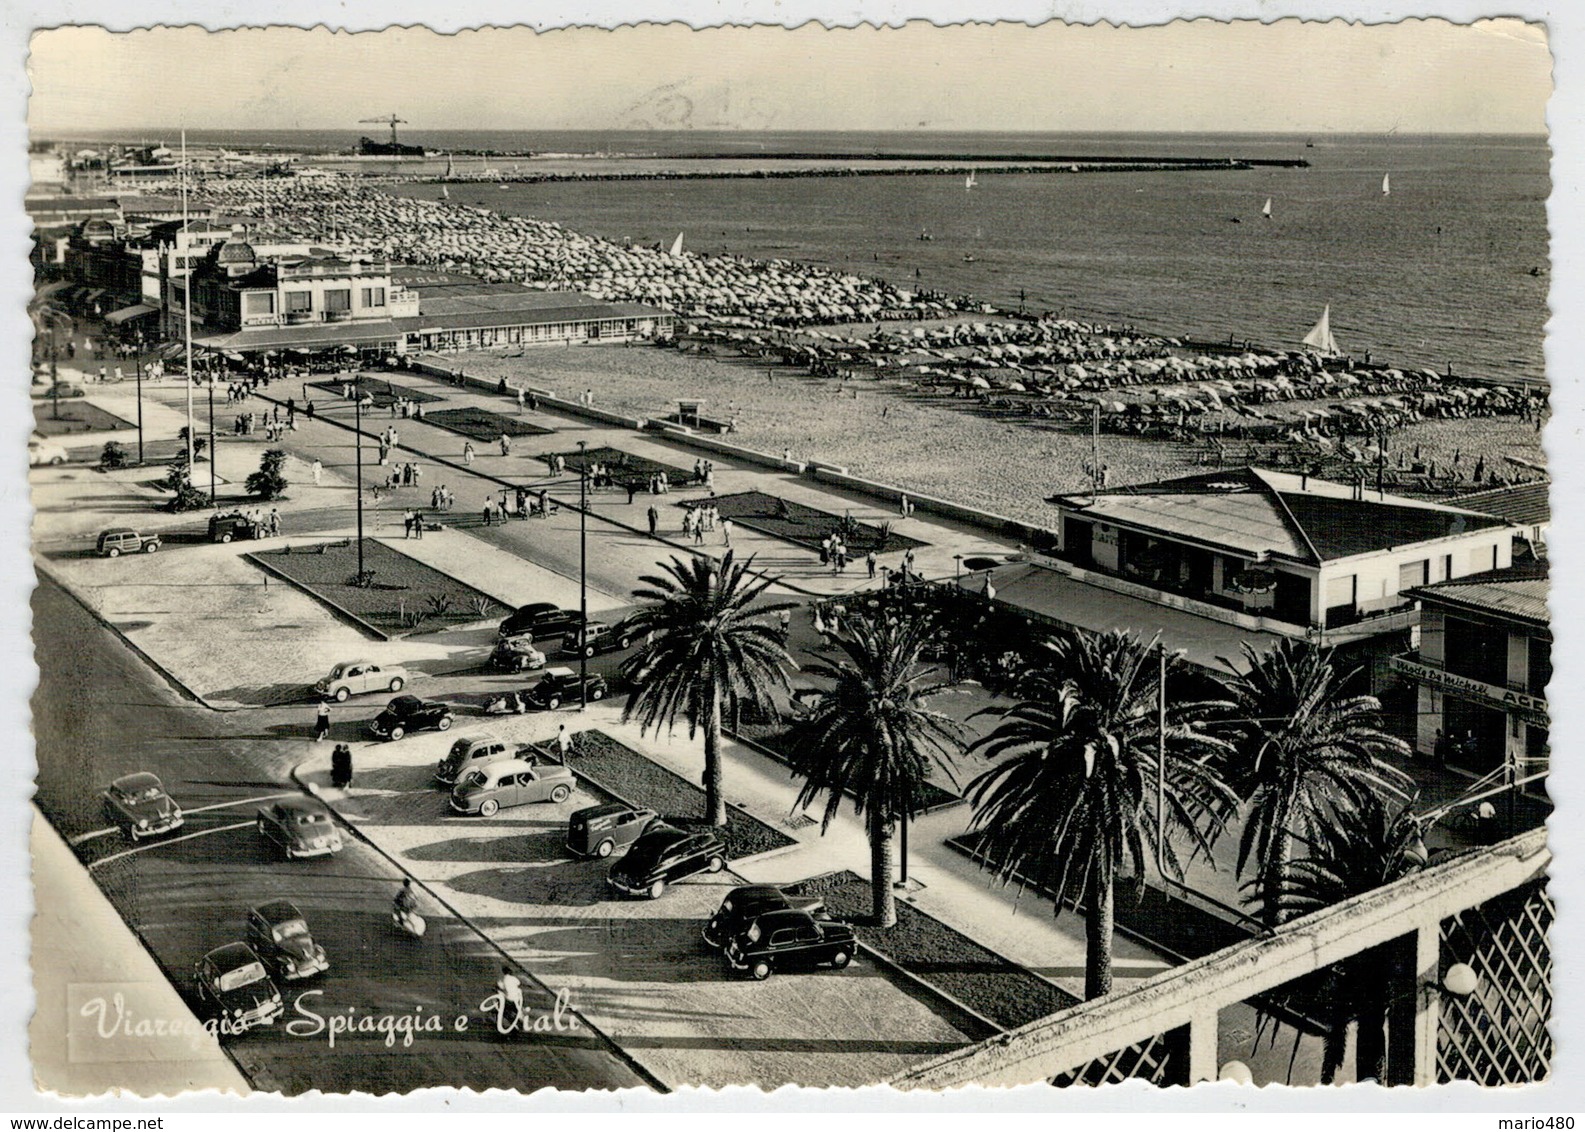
211	377
583	574
142	336
55	385
357	431
957	572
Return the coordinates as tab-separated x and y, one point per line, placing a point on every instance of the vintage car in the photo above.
742	905
124	540
541	621
139	805
599	831
597	637
465	754
516	654
65	389
790	938
279	936
560	686
484	790
299	827
663	856
235	989
42	451
409	713
227	525
355	677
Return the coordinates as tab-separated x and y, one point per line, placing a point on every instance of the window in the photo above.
374	296
259	302
1483	558
1540	667
1340	591
1447	567
297	301
1475	650
1412	574
339	300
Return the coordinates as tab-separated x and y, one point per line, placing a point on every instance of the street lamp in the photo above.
55	385
142	336
583	574
357	431
957	574
211	438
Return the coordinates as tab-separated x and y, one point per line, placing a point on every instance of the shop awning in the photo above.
126	314
308	338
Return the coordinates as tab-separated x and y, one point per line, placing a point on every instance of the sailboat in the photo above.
1266	211
676	245
1320	336
969	184
445	192
448	167
1386	184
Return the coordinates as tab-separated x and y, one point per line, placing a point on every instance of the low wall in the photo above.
997	524
682	435
546	397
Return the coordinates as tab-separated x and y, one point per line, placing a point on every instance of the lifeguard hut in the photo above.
688	413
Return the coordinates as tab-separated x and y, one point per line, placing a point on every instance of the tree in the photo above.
199	444
1304	751
179	482
269	482
871	737
708	653
1073	805
1354	852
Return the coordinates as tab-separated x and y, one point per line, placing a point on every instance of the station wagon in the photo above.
599	831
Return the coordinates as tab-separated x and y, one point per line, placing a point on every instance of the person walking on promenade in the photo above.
632	490
506	445
341	766
308	409
319	470
274	523
654	520
869	561
489	509
698	528
418	524
407	523
563	742
522	503
726	532
467	452
322	722
544	504
519	400
902	506
784	619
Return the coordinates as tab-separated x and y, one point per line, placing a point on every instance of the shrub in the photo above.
199	442
482	606
268	482
439	604
363	581
179	482
114	455
414	618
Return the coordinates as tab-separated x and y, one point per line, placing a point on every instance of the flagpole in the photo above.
187	307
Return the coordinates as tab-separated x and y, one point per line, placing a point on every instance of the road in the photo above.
188	894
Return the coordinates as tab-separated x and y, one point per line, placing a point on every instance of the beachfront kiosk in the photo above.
688	412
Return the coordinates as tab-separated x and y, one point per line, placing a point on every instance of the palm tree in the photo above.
1074	805
871	737
1353	852
1304	749
707	653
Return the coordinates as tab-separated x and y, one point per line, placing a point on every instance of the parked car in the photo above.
357	676
665	855
541	620
510	782
139	805
559	686
299	828
516	654
64	390
409	713
743	905
790	938
466	754
598	637
279	936
235	989
42	451
599	831
124	540
228	525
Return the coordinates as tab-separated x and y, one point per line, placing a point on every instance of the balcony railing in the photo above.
297	318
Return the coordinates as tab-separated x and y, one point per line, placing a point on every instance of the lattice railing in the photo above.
1498	1035
1161	1059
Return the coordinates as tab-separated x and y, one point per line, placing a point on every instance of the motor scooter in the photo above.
409	921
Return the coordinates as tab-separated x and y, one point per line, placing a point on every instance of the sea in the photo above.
1449	268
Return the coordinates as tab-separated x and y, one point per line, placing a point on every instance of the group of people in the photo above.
407	409
704	473
701	517
405	474
413	523
441	498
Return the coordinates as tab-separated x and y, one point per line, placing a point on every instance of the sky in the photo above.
1415	76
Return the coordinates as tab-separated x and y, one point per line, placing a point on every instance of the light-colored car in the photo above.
354	677
465	754
299	827
42	451
124	540
510	782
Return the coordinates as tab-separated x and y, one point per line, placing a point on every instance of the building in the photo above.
1482	669
1528	506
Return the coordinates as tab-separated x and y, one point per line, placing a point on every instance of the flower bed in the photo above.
482	424
77	416
773	739
642	782
806	526
624	466
942	956
402	597
385	393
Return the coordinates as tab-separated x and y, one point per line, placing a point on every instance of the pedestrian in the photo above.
698	529
726	532
341	766
902	506
489	509
908	561
632	490
467	452
274	523
520	400
319	469
407	523
418	524
522	503
506	445
588	397
308	410
869	561
322	722
434	498
544	504
785	620
563	742
654	521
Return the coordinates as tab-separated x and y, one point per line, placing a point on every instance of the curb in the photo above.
881	959
616	1048
357	622
781	760
159	669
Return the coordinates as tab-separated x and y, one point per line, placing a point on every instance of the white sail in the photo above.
1320	336
445	192
676	245
1386	184
969	184
1266	211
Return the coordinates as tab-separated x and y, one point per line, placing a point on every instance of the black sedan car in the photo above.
541	620
279	935
743	905
299	827
235	990
140	807
560	686
790	938
409	713
665	855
